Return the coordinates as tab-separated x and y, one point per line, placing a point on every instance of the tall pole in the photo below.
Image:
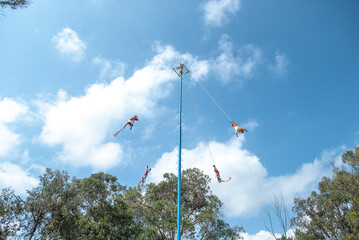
179	165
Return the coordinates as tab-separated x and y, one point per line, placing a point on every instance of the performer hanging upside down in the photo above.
238	129
144	176
219	179
130	122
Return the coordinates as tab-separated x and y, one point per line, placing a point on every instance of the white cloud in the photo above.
109	68
265	235
12	175
240	65
69	44
251	125
199	69
83	124
10	112
250	188
279	68
217	12
8	140
261	235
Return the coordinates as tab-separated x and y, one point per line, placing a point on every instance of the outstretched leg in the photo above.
115	134
142	181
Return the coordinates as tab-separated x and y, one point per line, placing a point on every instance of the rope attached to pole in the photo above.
214	100
219	179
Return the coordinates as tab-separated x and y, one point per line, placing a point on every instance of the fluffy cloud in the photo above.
14	176
240	64
10	111
250	188
217	12
261	235
199	68
82	125
279	68
251	125
109	68
8	140
264	235
69	44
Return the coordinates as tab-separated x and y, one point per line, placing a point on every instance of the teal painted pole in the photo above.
179	166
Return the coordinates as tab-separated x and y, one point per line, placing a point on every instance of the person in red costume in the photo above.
219	179
145	176
130	122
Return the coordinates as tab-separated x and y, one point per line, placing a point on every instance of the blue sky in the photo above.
73	72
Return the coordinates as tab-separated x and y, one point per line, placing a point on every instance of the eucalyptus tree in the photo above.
201	216
333	211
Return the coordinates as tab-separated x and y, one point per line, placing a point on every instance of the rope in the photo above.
153	147
205	136
213	100
203	130
143	107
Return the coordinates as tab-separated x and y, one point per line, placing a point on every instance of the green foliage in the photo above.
98	207
10	210
51	209
106	216
156	208
333	212
65	208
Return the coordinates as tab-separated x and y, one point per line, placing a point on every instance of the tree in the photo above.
281	214
14	4
105	213
333	212
156	208
68	208
98	207
10	211
51	209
